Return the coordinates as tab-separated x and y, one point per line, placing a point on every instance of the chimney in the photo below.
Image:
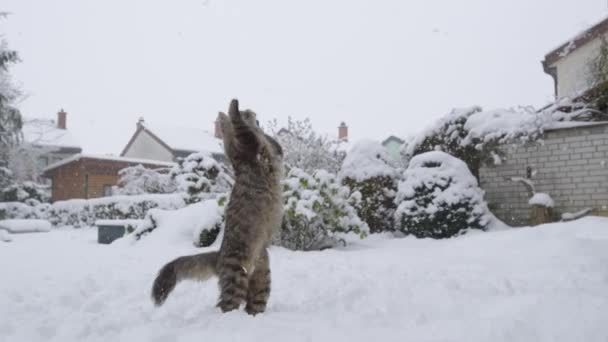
62	119
218	128
140	123
343	132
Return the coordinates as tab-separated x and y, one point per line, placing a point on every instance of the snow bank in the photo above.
546	283
543	199
5	236
25	226
366	159
182	226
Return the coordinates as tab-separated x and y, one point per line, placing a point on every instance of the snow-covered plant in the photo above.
202	177
439	198
10	117
367	170
199	223
30	193
304	149
597	96
137	180
83	213
317	209
477	136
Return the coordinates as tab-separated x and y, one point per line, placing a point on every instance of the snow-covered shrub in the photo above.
304	149
81	213
476	136
202	177
27	192
439	198
317	210
199	223
366	170
138	180
18	210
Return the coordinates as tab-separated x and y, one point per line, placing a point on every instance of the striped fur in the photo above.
253	212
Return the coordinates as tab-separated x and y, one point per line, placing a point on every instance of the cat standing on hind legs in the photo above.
253	212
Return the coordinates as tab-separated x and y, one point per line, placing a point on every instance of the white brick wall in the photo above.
570	164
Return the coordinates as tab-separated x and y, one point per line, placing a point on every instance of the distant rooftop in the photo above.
181	138
44	132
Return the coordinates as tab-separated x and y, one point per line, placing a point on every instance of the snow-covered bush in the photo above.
18	210
199	223
366	170
439	198
476	136
304	149
202	177
317	210
26	192
138	180
81	213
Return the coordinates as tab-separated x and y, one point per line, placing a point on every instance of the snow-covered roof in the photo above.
181	138
44	132
576	42
79	156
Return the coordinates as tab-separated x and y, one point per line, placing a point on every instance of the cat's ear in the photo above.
223	118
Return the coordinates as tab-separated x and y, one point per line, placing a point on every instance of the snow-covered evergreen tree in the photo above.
368	171
137	180
317	209
304	149
10	117
439	198
202	177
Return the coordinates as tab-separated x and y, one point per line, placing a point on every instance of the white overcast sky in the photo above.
384	67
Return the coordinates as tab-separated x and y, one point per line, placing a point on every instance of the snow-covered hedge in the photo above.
317	210
202	177
476	136
18	210
80	212
366	170
439	198
199	223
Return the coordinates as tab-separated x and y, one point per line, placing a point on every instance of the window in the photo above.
43	162
107	190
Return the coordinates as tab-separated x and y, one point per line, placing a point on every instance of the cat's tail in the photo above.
198	267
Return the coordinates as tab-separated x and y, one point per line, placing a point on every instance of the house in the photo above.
50	139
164	142
393	144
569	64
571	162
90	176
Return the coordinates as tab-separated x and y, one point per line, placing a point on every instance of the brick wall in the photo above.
571	165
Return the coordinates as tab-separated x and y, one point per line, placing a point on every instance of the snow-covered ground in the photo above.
548	283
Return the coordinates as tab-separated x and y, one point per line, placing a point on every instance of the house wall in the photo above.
393	149
97	183
573	74
571	166
86	177
68	182
146	147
